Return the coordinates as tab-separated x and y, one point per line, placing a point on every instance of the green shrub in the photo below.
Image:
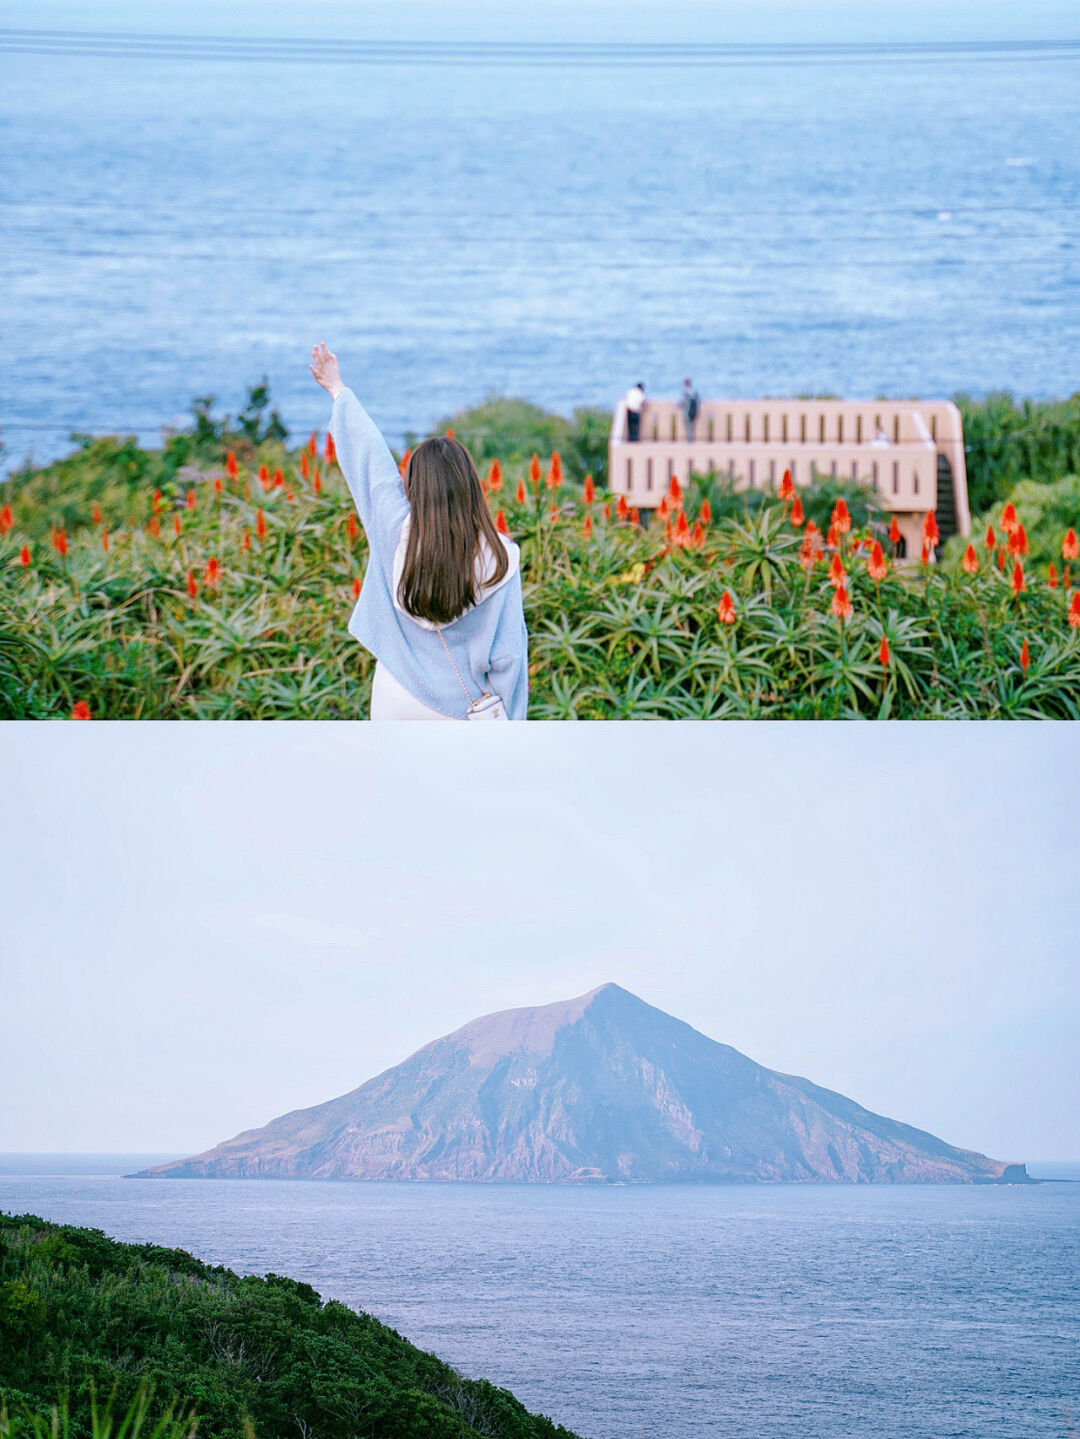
1008	440
232	1354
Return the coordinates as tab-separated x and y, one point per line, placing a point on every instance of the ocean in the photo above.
665	1312
549	201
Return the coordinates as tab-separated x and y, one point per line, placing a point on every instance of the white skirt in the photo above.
392	701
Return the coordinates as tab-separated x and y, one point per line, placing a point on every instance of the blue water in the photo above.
740	1313
178	224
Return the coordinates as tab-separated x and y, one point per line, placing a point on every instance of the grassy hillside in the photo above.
81	1313
213	578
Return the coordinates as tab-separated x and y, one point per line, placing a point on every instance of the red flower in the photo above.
841	604
352	525
1025	657
883	653
797	516
1070	546
356	589
264	475
260	525
154	526
313	445
80	711
894	531
682	529
192	586
212	573
1018	584
1008	518
218	486
105	541
663	507
586	529
1018	541
1074	611
230	465
305	468
1052	579
841	518
500	523
190	499
450	433
317	482
705	513
156	502
24	555
725	610
553	513
832	539
406	457
177	526
495	479
329	453
697	535
990	538
622	509
6	520
930	533
519	493
787	487
95	517
246	541
534	470
924	556
1001	559
812	549
589	490
60	542
876	567
633	516
554	479
837	573
675	492
970	563
607	512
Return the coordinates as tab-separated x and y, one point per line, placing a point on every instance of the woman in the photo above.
440	608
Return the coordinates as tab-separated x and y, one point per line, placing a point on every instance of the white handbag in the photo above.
489	706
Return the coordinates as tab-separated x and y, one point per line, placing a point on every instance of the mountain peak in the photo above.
531	1030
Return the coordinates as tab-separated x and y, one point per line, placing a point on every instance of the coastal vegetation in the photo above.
135	1341
213	578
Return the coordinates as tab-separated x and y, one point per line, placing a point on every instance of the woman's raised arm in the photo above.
369	468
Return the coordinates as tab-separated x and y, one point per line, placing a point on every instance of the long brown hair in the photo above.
450	520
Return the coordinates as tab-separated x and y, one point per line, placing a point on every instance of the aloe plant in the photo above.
234	604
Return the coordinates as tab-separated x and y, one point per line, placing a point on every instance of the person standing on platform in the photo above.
690	403
635	403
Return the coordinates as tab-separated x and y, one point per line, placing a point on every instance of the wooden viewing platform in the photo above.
910	451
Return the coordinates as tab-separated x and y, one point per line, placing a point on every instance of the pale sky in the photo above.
207	925
730	21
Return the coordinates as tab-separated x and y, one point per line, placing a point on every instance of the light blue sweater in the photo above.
489	641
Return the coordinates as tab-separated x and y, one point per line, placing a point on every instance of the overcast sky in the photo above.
208	925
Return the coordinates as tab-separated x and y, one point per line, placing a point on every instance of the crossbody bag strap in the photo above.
453	661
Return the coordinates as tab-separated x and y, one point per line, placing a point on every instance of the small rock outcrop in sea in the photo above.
604	1088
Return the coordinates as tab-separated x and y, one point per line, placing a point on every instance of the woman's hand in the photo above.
324	367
